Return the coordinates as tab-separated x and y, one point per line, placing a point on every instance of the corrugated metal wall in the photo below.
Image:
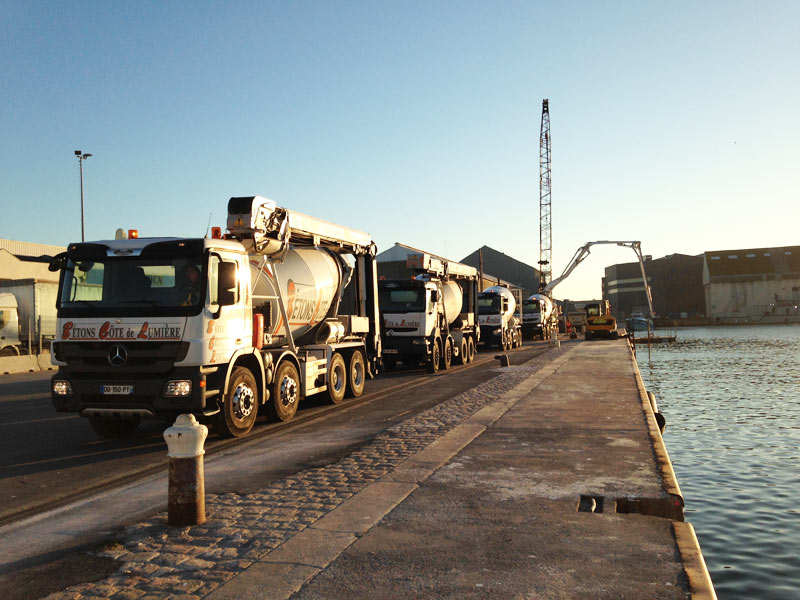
30	248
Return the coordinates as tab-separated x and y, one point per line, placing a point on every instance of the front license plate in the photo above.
390	351
117	390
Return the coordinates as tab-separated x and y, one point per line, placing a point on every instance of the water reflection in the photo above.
733	432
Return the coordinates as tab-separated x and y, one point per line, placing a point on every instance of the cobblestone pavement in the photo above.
188	563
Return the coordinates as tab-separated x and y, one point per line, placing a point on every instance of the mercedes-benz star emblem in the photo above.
117	355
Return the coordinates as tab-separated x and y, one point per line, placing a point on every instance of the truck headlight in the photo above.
182	387
62	387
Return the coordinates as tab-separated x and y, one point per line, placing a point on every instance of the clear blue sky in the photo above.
673	123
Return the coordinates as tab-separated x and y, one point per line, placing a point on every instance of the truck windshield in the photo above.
489	305
531	307
592	310
132	286
402	299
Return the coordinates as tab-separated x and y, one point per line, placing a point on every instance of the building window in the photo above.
750	255
767	253
788	253
715	258
733	256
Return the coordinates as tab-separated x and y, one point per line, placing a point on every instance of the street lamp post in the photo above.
81	157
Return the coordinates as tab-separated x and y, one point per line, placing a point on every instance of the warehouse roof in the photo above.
724	264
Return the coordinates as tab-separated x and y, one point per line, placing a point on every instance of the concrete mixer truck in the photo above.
223	327
499	324
539	317
432	318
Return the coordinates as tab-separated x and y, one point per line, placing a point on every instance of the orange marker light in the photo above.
216	233
133	234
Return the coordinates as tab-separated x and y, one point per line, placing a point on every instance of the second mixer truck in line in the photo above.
432	318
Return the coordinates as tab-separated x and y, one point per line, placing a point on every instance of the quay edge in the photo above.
694	565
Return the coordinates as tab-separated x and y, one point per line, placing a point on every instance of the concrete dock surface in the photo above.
549	481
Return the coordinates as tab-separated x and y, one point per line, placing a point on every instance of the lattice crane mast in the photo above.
545	229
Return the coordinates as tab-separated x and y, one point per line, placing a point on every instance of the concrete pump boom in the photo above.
584	251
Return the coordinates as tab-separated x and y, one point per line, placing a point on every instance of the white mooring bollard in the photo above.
187	494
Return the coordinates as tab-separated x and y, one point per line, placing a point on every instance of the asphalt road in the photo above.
47	456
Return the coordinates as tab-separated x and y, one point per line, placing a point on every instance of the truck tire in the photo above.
470	349
447	354
356	374
463	352
436	355
114	429
337	379
239	409
285	396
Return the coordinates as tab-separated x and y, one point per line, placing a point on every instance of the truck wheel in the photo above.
337	379
463	352
113	428
285	393
436	356
356	374
447	354
239	409
470	349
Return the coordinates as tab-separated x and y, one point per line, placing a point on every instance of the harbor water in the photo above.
731	399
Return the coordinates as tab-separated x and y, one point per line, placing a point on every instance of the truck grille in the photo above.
108	358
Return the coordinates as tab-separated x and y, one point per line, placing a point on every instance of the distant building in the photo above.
754	285
676	284
392	265
27	260
509	269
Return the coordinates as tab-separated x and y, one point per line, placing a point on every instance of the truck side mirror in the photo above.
226	283
57	262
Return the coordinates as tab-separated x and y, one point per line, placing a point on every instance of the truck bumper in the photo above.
133	394
489	338
400	346
531	330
